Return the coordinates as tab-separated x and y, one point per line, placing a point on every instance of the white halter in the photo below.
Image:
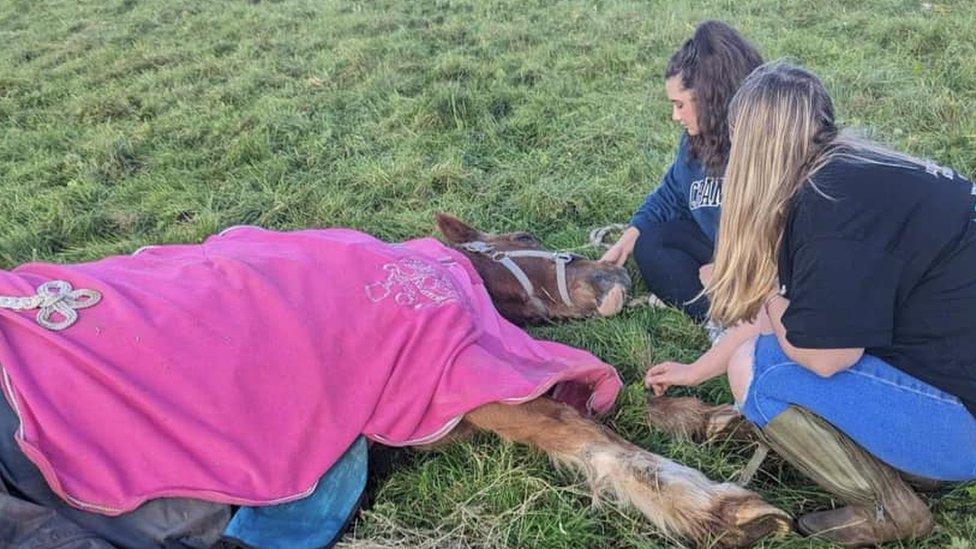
559	258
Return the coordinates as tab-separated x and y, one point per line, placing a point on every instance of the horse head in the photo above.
529	284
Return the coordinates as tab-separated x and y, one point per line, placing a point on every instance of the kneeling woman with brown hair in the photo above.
860	265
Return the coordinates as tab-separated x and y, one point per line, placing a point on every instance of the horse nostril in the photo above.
606	279
625	279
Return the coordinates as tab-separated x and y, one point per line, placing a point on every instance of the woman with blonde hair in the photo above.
859	264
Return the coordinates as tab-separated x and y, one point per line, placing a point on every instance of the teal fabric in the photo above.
313	522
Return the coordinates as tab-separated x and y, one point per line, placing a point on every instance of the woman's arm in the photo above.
823	362
711	364
670	199
621	250
715	361
662	204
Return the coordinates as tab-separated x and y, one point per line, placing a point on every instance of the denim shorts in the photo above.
903	421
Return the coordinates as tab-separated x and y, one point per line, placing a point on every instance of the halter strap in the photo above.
505	258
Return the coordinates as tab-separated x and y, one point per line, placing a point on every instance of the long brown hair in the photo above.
712	64
783	132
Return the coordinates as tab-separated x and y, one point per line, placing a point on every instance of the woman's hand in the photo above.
705	273
668	374
619	252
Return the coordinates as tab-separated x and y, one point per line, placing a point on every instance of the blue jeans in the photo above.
904	422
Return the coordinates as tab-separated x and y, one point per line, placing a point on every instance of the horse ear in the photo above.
455	230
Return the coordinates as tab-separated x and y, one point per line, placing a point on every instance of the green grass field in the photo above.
127	123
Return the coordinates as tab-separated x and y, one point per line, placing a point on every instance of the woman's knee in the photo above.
670	273
740	369
648	247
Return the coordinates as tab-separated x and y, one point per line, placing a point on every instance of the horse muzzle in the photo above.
612	286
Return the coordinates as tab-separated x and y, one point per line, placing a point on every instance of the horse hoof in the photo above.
750	520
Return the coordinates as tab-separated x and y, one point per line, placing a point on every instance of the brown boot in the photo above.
858	526
881	508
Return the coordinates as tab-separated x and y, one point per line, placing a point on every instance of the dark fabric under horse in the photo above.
32	515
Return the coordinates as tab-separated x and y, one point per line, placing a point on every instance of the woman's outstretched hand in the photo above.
667	374
619	252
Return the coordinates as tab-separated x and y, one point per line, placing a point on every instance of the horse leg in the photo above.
676	499
462	431
688	417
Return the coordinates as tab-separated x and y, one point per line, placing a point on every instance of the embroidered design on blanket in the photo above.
413	284
54	298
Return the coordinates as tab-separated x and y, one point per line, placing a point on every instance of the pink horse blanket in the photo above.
239	370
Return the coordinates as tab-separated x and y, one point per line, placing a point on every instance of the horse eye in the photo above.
524	238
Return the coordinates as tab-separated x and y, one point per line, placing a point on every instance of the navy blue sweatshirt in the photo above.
686	192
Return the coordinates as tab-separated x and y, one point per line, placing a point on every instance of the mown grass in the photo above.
127	123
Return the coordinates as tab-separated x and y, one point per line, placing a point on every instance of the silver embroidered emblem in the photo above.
54	297
414	284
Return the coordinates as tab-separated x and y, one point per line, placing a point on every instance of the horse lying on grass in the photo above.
238	370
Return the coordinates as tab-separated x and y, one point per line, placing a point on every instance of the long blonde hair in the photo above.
783	132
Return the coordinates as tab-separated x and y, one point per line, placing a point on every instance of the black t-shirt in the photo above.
884	257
